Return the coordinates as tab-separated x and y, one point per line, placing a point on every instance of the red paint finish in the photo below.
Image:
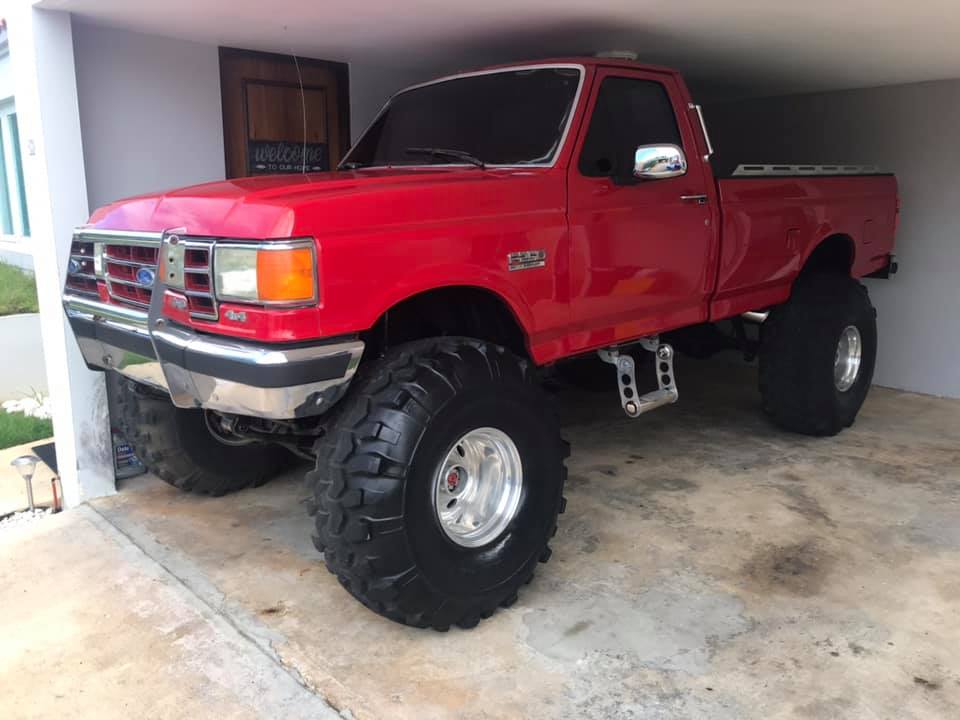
771	225
642	259
623	261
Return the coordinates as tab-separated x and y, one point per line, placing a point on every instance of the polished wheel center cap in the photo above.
846	364
453	480
478	487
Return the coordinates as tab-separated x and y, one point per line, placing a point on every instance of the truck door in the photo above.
642	251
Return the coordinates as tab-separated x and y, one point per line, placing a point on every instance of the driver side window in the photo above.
628	113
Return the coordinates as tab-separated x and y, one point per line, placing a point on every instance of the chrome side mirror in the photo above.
658	162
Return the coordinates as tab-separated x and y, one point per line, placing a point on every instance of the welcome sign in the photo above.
265	157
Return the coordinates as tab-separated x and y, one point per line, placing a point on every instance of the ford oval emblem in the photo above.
146	276
74	266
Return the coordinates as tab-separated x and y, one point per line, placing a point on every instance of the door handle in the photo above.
698	199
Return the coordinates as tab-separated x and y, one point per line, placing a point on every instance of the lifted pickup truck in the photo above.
390	320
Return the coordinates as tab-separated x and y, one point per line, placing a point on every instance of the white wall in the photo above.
23	372
149	112
912	131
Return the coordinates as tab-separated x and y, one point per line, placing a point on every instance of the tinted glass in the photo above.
628	113
507	118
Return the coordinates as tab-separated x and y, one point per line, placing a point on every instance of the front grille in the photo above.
81	272
124	261
198	280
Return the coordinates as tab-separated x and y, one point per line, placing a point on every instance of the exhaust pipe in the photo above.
755	317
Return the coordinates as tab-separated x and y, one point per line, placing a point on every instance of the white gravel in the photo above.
24	518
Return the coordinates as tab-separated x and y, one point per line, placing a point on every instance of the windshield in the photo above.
514	117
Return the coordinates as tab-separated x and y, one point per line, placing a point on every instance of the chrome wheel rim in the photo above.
478	486
846	366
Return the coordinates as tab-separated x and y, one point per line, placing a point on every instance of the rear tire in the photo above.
810	381
177	446
378	491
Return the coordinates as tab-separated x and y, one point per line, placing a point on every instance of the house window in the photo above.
13	198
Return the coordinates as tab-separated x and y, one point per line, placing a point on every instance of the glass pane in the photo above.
628	113
505	118
6	221
18	168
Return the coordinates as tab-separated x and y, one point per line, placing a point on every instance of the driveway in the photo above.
708	566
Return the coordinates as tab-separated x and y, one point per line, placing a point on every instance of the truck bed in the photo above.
771	224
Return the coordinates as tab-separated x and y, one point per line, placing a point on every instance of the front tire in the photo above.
177	445
421	421
817	355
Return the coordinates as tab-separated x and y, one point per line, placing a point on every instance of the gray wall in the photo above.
910	130
371	85
149	112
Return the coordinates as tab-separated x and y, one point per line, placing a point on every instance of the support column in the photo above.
41	55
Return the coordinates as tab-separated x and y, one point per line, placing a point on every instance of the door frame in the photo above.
341	72
626	324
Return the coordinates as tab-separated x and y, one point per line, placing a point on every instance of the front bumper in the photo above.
270	381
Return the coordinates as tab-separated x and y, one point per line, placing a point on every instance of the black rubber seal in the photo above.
299	372
129	341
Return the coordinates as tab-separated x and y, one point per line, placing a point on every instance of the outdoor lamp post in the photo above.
26	465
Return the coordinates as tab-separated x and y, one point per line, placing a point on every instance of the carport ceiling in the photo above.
752	46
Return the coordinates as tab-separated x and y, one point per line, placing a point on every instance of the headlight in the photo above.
271	273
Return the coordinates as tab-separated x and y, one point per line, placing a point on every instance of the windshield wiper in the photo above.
445	153
351	165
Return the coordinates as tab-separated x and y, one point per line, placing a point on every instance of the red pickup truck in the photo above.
390	321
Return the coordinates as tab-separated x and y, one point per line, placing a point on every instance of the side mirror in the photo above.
658	162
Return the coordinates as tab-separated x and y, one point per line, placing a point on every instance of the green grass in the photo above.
18	291
17	428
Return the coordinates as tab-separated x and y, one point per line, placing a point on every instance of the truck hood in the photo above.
290	205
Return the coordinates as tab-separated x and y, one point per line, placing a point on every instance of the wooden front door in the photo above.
264	112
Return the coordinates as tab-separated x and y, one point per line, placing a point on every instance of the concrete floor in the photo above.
708	566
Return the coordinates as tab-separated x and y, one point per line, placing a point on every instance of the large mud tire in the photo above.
377	517
799	355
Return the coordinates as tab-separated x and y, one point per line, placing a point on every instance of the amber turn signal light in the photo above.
285	275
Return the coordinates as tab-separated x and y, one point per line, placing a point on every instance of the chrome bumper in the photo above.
271	381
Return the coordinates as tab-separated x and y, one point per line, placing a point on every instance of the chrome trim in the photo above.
493	71
756	317
190	389
118	261
127	318
703	128
171	269
255	355
131	283
117	237
777	170
659	162
292	244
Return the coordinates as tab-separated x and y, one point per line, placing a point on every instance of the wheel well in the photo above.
834	254
466	311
